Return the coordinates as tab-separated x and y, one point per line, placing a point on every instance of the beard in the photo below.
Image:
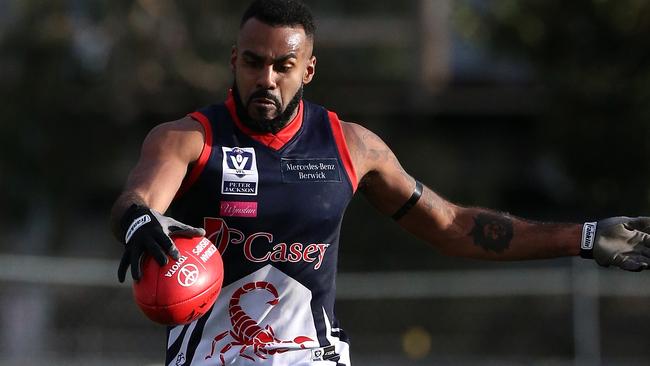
265	125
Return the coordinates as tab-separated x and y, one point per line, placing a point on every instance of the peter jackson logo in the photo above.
239	171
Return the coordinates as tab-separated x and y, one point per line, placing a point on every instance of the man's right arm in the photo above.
136	217
166	153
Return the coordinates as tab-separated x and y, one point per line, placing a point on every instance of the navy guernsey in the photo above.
273	206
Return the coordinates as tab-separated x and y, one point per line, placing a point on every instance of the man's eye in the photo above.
252	63
283	68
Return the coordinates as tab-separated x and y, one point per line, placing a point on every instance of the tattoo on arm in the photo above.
374	151
492	232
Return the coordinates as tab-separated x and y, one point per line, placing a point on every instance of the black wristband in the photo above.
586	254
588	238
415	197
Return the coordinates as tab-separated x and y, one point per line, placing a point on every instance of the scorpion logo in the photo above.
247	333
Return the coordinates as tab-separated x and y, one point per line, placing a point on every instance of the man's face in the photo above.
270	65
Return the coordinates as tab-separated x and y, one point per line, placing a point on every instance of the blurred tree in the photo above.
80	84
591	60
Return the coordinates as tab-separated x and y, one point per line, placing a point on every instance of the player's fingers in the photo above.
644	250
640	224
155	248
168	247
186	230
173	226
124	266
645	241
136	268
634	263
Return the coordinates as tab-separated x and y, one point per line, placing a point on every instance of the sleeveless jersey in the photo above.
273	206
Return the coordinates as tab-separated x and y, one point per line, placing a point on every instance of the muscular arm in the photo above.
167	151
452	229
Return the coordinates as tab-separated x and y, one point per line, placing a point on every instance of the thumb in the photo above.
186	230
172	226
640	224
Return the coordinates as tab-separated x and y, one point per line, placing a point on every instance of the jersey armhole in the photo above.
201	162
342	147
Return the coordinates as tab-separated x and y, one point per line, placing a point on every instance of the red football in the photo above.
183	290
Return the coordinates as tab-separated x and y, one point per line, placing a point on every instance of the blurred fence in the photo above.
406	318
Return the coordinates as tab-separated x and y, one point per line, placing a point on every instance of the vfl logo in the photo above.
239	160
239	171
188	275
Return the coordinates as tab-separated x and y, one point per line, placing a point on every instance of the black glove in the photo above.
148	231
620	241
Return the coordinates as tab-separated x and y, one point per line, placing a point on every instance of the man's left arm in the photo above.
483	233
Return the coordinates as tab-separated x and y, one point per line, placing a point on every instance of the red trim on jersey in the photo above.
342	146
200	163
275	141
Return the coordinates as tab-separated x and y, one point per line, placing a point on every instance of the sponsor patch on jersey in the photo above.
238	209
240	175
262	247
323	354
310	170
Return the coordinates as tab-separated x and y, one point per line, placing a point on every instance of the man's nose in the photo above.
267	78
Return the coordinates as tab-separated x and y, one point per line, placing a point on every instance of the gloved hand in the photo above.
148	231
620	241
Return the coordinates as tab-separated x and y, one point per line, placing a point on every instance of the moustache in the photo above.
262	93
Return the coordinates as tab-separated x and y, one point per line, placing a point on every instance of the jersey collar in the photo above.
273	140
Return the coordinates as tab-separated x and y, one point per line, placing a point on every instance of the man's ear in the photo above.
233	58
310	70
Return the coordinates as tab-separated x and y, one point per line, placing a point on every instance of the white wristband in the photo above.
588	236
135	225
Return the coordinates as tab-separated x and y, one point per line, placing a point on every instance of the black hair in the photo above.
281	13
